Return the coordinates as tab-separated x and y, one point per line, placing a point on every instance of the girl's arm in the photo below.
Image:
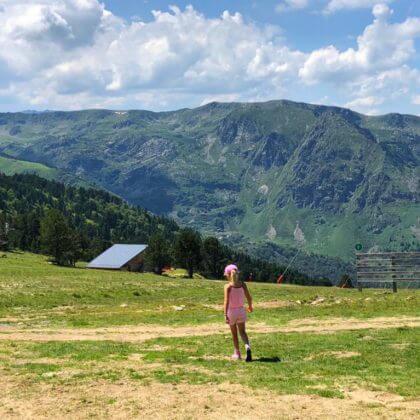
226	301
248	298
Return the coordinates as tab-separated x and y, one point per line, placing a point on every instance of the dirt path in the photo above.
128	399
139	333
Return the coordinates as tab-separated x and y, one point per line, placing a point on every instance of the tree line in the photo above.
72	223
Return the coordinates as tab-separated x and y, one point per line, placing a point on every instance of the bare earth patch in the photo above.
345	324
275	304
139	333
128	399
343	354
336	354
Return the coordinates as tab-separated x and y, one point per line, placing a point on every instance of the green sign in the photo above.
359	247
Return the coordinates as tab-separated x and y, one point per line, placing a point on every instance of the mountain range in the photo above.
264	176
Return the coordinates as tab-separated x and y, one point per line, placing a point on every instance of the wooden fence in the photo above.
379	269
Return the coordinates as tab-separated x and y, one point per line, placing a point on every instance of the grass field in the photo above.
81	343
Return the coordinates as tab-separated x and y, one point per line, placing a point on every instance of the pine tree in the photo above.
3	232
187	250
214	258
157	254
58	239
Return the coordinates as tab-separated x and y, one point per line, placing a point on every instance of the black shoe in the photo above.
248	355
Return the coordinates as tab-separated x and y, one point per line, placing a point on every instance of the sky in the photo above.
151	54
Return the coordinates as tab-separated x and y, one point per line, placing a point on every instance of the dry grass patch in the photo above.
400	346
128	399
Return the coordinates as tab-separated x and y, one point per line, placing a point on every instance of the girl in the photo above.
235	314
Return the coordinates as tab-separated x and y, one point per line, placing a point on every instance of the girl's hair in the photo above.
234	278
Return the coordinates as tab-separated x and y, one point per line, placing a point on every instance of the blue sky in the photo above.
74	54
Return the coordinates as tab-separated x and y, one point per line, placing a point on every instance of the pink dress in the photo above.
236	312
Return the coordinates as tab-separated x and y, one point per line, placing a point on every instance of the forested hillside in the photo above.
100	219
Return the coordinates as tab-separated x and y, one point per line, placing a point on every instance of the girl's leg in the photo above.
235	337
244	335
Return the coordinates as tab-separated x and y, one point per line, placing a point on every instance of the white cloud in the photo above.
382	46
415	100
336	5
381	11
73	54
287	5
181	52
365	104
390	86
374	73
367	101
36	36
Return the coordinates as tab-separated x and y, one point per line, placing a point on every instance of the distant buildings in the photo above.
120	257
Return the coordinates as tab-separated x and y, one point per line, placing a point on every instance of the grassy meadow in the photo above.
92	339
10	166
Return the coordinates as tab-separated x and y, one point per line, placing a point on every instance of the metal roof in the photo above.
116	256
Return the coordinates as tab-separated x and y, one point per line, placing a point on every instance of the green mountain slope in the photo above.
248	173
10	166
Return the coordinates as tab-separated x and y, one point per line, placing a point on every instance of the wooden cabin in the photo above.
126	257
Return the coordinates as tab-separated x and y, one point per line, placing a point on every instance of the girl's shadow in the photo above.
274	359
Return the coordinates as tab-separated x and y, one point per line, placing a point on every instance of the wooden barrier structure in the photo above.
388	267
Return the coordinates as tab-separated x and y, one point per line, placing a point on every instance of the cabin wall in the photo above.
135	264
